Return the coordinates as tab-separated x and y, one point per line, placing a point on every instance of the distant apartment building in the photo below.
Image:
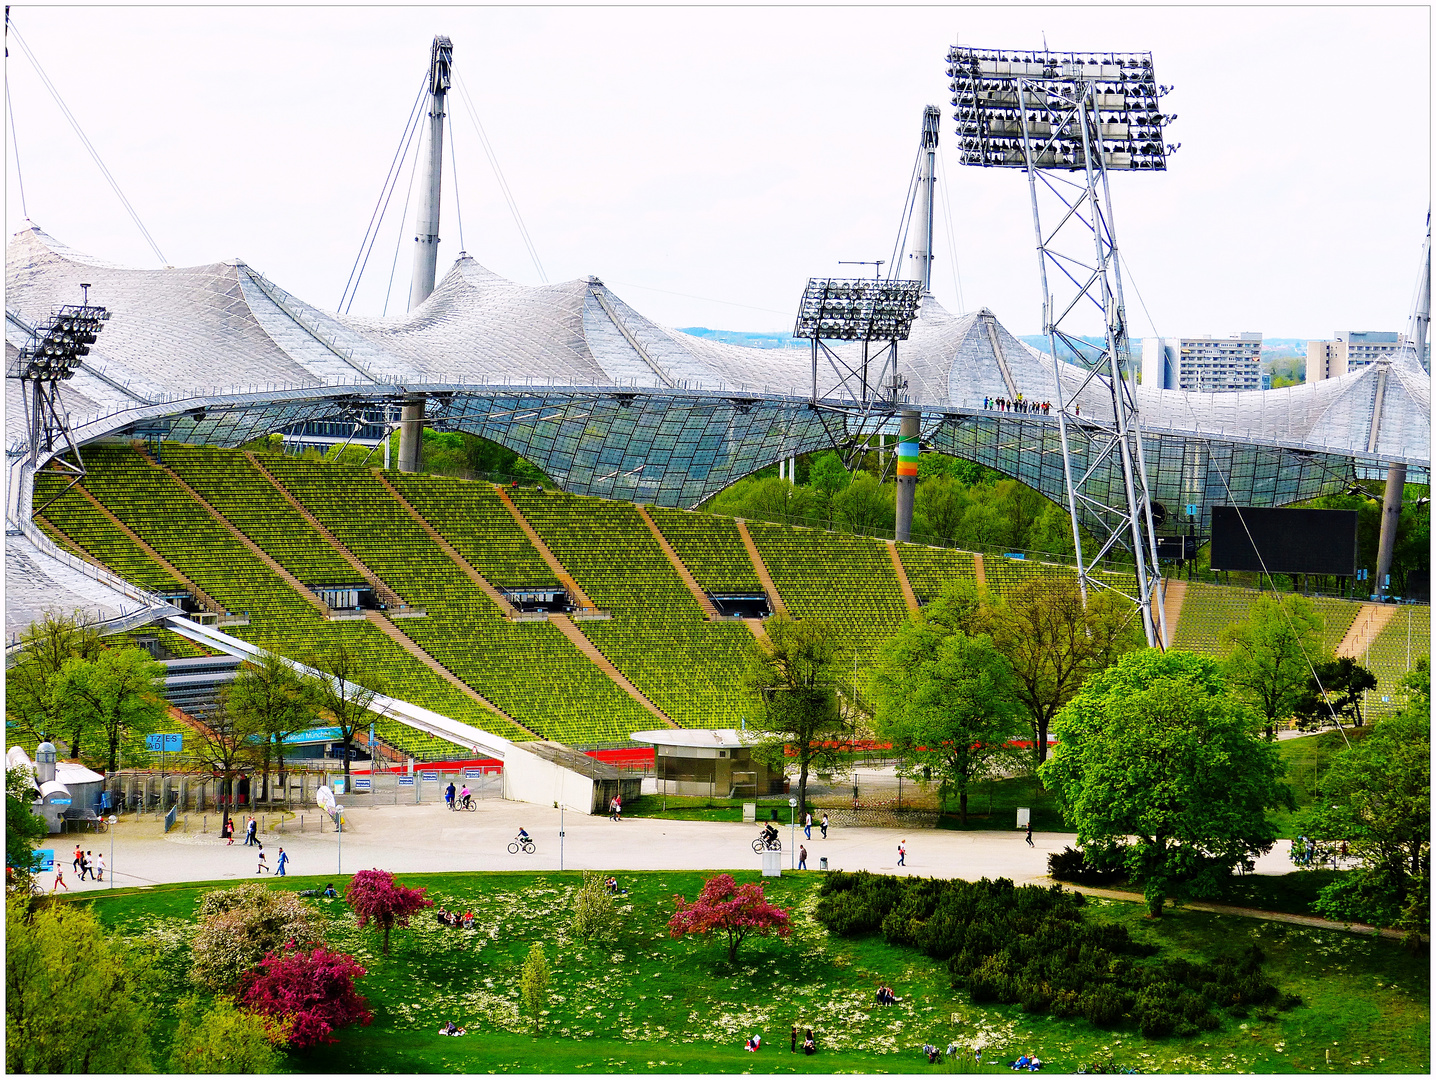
1206	364
1350	350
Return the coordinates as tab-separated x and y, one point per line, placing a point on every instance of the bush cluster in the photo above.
1034	947
1085	868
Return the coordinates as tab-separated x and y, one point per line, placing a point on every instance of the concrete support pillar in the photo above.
1390	516
908	450
411	436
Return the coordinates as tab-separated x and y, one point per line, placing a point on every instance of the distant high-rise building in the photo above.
1206	364
1349	350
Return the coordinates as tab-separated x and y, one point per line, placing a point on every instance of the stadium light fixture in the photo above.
1068	120
856	309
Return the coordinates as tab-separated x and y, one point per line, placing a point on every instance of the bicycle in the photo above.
466	803
764	844
526	846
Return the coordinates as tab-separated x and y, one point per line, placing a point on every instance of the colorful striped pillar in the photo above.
906	473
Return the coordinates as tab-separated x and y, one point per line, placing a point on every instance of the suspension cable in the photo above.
454	172
399	238
952	242
15	142
381	205
499	175
909	203
84	140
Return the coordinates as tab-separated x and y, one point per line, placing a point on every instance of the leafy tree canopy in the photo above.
311	993
947	702
1334	691
1269	655
222	1039
22	826
1154	749
376	897
110	696
239	927
70	998
725	907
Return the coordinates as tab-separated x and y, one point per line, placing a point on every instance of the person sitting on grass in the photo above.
329	893
753	1043
931	1052
810	1045
468	920
452	1028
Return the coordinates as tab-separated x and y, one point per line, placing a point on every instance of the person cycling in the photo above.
449	795
770	834
464	796
523	836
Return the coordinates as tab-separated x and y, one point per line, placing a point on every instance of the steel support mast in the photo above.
920	270
426	240
1396	471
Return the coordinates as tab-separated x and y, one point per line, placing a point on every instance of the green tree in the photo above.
1156	750
222	1039
45	646
1269	655
947	702
795	673
70	1000
345	690
939	501
1055	642
224	745
827	474
1333	692
594	915
273	701
865	505
115	694
533	984
22	827
1376	799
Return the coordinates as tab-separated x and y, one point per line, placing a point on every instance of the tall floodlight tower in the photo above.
1396	471
919	271
1067	120
426	240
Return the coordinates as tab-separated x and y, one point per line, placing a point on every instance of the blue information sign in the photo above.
59	802
406	781
1191	509
429	774
167	743
45	859
361	783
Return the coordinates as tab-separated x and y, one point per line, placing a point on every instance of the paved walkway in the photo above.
430	838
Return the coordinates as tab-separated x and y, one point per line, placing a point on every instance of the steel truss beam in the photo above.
1077	257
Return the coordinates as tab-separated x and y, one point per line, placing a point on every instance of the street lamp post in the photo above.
339	826
793	832
560	837
113	821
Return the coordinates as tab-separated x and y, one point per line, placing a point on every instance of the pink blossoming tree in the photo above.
375	895
727	907
309	994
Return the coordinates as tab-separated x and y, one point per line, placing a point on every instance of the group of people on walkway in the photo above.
1021	405
808	826
615	808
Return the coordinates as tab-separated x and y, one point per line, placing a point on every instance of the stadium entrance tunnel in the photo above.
742	605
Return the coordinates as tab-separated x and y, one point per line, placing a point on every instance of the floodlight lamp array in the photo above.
995	90
858	309
60	343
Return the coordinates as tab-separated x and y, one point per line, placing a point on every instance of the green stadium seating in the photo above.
848	580
74	517
658	636
471	517
151	503
246	498
528	669
930	568
710	548
1401	642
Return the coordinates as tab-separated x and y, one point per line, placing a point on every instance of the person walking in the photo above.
824	825
1029	833
618	808
902	852
59	881
79	858
282	861
100	866
251	835
802	857
263	867
808	826
613	808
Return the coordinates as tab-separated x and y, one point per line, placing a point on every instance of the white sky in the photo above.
730	153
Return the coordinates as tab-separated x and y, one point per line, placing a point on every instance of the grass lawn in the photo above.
646	1003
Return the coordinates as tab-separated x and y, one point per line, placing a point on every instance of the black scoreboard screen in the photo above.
1284	541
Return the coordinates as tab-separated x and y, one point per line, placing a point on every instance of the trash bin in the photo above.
823	863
